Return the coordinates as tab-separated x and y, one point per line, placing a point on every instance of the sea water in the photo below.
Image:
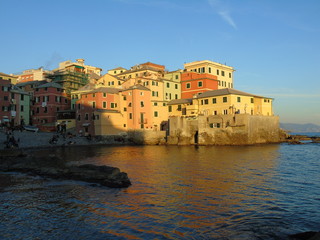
177	192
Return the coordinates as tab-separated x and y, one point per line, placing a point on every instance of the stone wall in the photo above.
238	129
147	137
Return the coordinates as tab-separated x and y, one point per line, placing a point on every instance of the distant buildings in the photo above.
143	97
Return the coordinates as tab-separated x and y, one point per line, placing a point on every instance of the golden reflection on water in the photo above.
188	183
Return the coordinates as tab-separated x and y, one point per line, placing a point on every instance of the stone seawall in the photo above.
239	129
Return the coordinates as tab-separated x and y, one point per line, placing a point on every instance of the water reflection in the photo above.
182	193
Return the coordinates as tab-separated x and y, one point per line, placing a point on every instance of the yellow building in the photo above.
116	71
12	78
222	102
223	72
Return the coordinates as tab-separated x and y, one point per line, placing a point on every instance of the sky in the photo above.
274	45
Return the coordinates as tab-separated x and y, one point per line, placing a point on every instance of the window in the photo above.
225	99
203	69
22	97
225	111
125	98
168	85
238	99
22	108
230	75
164	104
5	98
170	108
206	101
199	84
93	95
217	71
93	104
58	109
215	112
79	117
142	104
104	104
45	110
65	100
87	116
176	86
155	114
130	115
209	69
125	109
252	101
214	100
130	104
188	85
176	96
177	76
113	105
179	107
141	93
155	104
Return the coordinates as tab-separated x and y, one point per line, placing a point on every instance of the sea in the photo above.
178	192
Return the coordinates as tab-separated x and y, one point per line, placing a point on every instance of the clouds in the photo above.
221	9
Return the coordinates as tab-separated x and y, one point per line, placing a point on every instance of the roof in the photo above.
8	75
139	87
50	84
104	90
22	84
180	101
118	68
225	91
93	75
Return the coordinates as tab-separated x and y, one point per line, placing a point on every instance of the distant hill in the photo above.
295	127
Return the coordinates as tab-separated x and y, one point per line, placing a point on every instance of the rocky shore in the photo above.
15	159
55	167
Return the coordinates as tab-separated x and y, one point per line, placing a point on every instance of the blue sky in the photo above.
274	45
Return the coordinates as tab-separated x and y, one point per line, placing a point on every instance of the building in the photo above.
71	77
49	99
5	102
100	112
12	78
116	71
33	75
20	106
193	83
223	72
221	102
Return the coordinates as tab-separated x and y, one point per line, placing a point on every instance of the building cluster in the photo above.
142	97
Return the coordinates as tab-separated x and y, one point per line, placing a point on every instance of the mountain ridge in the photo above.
296	127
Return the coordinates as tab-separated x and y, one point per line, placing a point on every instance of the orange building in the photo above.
193	83
138	107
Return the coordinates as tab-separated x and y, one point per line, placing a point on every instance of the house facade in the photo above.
223	72
193	83
221	102
49	99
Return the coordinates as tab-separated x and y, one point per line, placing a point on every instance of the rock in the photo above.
305	236
53	167
295	142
